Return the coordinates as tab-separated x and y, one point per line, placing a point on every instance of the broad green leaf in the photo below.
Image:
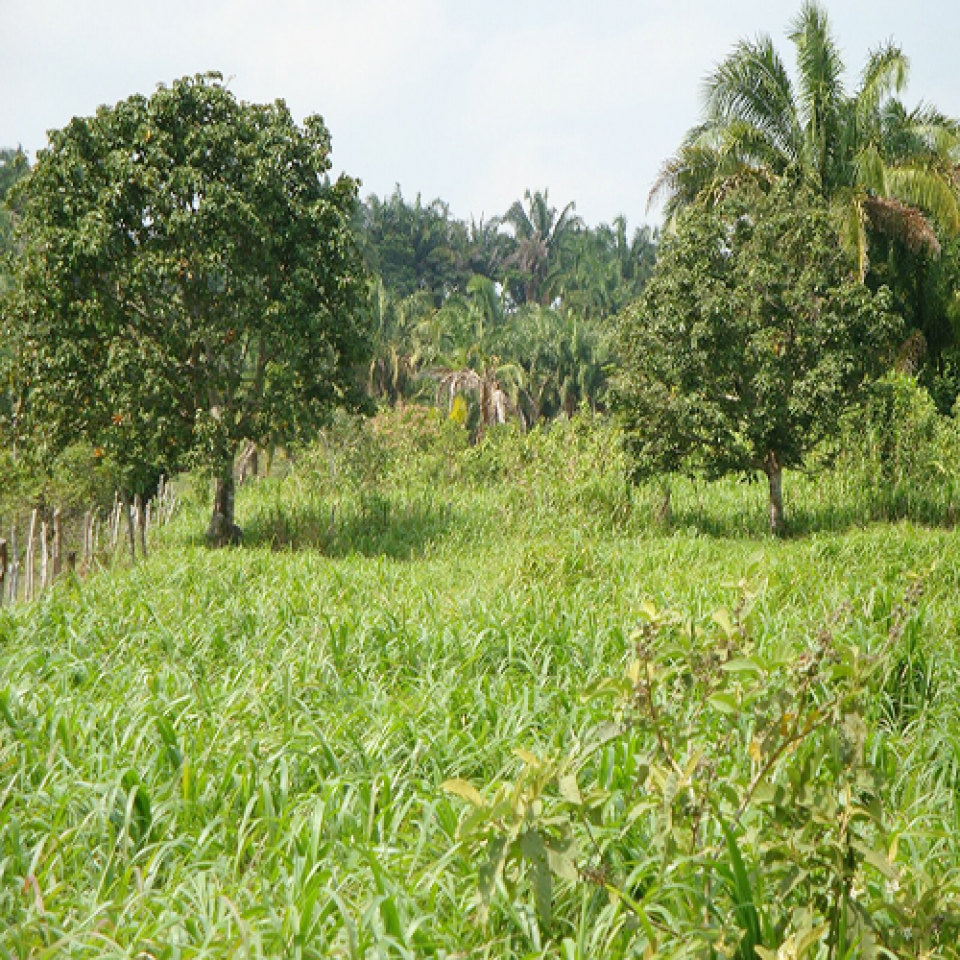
743	665
561	856
535	852
876	859
724	703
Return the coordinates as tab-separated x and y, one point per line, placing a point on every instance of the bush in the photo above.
79	479
901	453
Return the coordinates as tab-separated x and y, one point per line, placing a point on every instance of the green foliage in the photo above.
78	479
564	360
541	235
188	280
749	342
901	452
749	809
244	752
414	248
884	168
527	294
82	478
13	167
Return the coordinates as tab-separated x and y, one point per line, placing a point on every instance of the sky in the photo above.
473	102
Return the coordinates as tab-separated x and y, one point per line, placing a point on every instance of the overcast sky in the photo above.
469	101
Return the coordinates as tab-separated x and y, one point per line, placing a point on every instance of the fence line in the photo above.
47	545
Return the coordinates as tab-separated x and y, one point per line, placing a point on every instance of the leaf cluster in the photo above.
750	339
188	279
734	803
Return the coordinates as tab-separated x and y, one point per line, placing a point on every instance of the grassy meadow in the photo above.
464	701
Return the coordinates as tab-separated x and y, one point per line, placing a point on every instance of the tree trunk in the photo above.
223	531
774	472
663	513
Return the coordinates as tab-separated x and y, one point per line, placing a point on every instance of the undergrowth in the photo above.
453	700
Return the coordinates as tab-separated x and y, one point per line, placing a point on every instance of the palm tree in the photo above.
413	246
487	248
403	342
540	233
605	269
497	385
884	168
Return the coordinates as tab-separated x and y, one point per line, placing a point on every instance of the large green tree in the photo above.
749	341
189	280
885	169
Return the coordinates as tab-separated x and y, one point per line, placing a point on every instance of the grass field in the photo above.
272	751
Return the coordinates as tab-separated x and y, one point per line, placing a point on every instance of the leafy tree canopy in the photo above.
189	280
414	247
748	342
887	169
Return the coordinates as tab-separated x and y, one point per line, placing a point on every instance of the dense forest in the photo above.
524	300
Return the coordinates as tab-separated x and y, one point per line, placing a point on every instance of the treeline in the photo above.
515	307
509	312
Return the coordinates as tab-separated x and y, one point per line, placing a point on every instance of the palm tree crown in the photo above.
540	232
882	166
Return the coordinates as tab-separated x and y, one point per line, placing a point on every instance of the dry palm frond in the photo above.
911	353
905	223
496	406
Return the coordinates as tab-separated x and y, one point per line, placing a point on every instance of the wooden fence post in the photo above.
4	558
131	529
14	564
85	550
44	556
29	579
115	523
144	527
56	553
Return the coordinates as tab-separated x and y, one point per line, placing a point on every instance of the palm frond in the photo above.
929	190
752	86
884	75
870	170
821	93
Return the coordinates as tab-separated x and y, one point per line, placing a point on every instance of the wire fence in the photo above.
44	546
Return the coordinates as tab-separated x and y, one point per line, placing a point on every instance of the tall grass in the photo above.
240	753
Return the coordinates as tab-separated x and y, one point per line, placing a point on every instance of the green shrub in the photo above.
900	455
